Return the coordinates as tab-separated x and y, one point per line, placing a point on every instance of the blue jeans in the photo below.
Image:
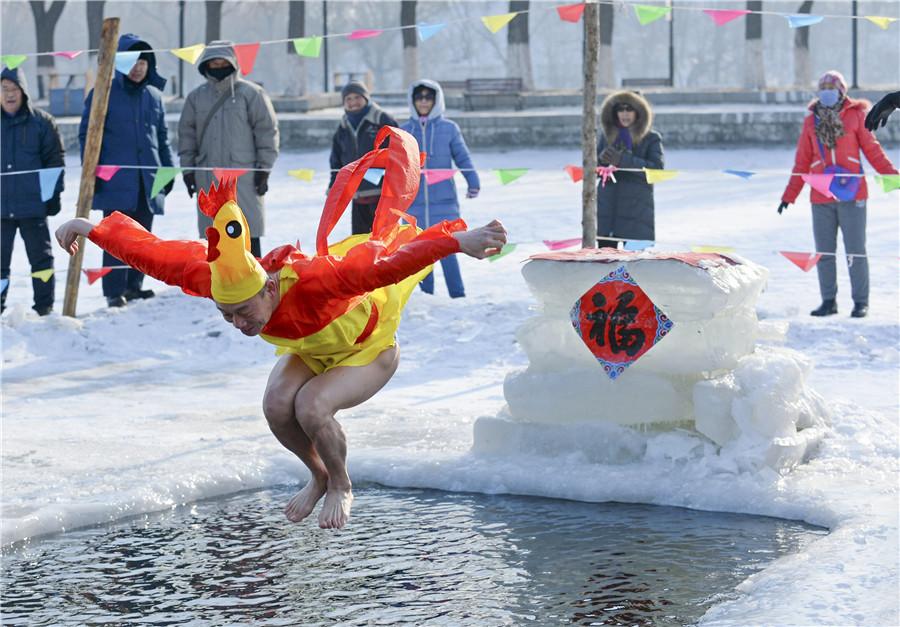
450	266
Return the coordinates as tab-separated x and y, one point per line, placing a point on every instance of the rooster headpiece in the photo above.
236	274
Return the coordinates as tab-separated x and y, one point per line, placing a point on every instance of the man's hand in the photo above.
482	242
879	114
190	181
261	182
167	189
610	156
782	207
67	234
53	206
472	192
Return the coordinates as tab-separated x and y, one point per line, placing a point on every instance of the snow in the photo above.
121	412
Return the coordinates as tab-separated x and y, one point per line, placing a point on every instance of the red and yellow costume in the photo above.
340	307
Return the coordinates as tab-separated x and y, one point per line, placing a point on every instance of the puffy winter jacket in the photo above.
349	144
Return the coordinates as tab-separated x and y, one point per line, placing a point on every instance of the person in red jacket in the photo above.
830	143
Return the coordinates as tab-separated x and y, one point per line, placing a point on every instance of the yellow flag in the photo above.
43	275
189	54
496	22
303	175
658	176
881	22
712	249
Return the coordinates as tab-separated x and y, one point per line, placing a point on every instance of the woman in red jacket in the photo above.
830	143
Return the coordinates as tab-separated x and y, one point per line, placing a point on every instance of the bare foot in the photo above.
305	500
336	509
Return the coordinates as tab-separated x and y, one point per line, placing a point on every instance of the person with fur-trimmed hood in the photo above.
625	208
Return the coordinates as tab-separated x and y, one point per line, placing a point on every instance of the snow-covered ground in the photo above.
120	412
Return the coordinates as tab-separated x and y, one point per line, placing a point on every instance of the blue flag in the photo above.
801	20
374	175
744	174
126	60
428	30
638	244
48	178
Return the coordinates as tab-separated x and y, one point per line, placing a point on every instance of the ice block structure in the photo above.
706	374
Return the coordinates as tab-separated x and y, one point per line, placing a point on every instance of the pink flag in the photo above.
93	274
559	244
820	182
804	261
69	54
571	12
106	172
575	172
606	172
223	174
246	56
436	176
723	16
364	34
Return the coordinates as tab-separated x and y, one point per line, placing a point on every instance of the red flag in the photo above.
570	12
224	174
804	261
575	172
246	56
93	274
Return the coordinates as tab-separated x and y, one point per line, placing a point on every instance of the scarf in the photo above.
623	139
828	124
356	117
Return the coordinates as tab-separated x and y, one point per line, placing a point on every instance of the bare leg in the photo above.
316	404
287	377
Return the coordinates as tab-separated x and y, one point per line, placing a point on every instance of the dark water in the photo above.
407	557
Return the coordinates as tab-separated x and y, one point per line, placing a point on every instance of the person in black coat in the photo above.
625	208
354	137
30	141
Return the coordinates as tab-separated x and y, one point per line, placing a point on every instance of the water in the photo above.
408	556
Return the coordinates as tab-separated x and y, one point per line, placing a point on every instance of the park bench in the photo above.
646	82
493	93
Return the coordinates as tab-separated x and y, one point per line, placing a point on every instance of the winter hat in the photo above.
833	77
355	87
424	89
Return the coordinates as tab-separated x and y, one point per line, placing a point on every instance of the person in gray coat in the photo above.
625	208
229	122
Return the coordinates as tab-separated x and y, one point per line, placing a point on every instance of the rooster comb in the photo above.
210	202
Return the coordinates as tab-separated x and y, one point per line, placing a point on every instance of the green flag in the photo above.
511	174
308	46
888	182
162	178
503	252
647	13
12	61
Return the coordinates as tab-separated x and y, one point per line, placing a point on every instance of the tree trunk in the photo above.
410	42
94	23
213	20
802	67
45	25
589	129
518	52
606	76
754	66
296	64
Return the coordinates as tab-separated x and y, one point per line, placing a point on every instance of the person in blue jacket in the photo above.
30	141
134	134
443	143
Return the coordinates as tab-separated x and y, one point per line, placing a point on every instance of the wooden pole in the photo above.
589	127
109	37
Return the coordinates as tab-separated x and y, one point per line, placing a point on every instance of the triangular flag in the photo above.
559	244
106	172
574	172
302	174
509	175
658	176
804	261
93	274
647	13
819	182
882	22
12	61
723	16
126	59
638	244
508	248
48	178
43	275
68	54
888	182
427	31
364	33
225	174
246	56
571	12
712	249
374	175
190	53
162	178
496	22
801	20
436	176
4	283
744	174
308	46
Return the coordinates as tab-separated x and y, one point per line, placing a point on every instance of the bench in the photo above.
493	93
646	82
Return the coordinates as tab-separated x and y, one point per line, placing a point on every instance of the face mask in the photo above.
220	73
829	97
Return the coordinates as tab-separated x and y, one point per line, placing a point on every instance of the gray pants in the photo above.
850	216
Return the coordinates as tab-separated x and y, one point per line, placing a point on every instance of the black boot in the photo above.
138	294
115	301
860	310
827	308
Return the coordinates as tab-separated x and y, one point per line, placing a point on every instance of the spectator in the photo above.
134	134
444	145
354	137
830	143
30	142
625	208
229	122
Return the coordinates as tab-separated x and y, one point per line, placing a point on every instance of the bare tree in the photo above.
802	68
518	45
606	75
45	25
297	64
213	20
754	66
410	44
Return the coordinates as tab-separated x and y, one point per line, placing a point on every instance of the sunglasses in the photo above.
423	97
623	107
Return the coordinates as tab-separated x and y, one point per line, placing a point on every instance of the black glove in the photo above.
261	182
190	181
879	114
167	189
610	156
782	207
53	206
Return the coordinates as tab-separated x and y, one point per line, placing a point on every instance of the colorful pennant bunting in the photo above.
658	176
43	275
190	53
126	59
559	244
427	31
712	249
68	54
106	172
744	174
48	178
436	176
819	182
508	248
509	175
246	56
495	22
4	283
804	261
374	175
881	22
801	20
303	175
574	172
93	274
12	61
162	178
571	12
308	46
225	174
647	13
723	16
364	33
888	182
638	244
606	172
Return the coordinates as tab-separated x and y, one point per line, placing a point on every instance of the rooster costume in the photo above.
340	307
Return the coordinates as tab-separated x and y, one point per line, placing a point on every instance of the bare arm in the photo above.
482	242
67	234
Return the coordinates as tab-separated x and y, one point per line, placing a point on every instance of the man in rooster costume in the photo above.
333	316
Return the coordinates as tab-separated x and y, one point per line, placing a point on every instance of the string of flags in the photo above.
312	46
